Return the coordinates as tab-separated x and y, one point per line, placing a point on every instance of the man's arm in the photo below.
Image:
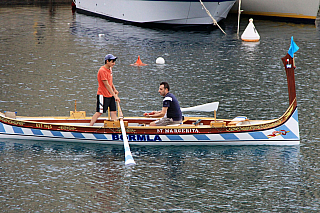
109	88
159	113
114	89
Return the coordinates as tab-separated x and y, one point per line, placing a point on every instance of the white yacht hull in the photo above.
295	9
177	12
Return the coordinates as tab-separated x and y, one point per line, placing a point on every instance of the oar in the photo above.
209	107
128	156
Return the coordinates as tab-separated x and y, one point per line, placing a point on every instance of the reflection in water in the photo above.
67	176
93	177
251	48
96	174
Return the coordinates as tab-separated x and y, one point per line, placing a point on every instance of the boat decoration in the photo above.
136	130
171	12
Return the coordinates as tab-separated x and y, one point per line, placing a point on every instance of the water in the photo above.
49	58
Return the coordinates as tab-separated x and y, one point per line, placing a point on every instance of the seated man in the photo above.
170	113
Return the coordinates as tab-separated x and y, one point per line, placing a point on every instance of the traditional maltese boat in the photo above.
136	130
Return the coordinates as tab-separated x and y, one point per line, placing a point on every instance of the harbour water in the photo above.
49	58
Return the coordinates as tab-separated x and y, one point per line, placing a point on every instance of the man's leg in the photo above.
95	118
114	115
161	122
153	123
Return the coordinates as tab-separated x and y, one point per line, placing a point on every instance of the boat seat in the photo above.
10	114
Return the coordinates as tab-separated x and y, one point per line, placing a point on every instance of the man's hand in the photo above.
149	114
117	99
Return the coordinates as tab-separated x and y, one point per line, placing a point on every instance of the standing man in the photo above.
170	113
107	94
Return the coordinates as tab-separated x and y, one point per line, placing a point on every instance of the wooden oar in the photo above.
209	107
128	156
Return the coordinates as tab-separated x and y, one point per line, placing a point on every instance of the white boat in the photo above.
175	12
292	9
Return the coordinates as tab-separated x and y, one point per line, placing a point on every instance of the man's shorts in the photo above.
166	121
103	103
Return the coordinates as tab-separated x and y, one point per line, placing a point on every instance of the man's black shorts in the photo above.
103	103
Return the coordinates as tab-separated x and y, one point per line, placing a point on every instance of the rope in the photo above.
239	13
209	14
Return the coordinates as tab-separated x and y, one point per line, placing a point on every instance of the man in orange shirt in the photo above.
107	95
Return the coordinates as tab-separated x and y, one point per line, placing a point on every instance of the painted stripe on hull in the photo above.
163	143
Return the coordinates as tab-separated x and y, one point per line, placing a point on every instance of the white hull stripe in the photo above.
287	131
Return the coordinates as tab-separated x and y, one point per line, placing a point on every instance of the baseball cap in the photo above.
110	57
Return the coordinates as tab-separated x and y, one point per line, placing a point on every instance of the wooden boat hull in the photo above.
282	131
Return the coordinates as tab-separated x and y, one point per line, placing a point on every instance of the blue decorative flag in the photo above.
293	48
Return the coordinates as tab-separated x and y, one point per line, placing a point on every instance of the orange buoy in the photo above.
138	62
250	33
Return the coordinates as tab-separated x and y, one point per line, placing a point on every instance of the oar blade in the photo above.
129	161
128	156
127	153
209	107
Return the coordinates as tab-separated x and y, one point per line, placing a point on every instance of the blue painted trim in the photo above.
56	133
100	136
36	131
174	138
258	135
17	130
2	128
201	137
77	135
229	136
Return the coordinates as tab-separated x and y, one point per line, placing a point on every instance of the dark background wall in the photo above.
26	2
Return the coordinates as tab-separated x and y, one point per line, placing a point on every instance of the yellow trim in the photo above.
284	15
